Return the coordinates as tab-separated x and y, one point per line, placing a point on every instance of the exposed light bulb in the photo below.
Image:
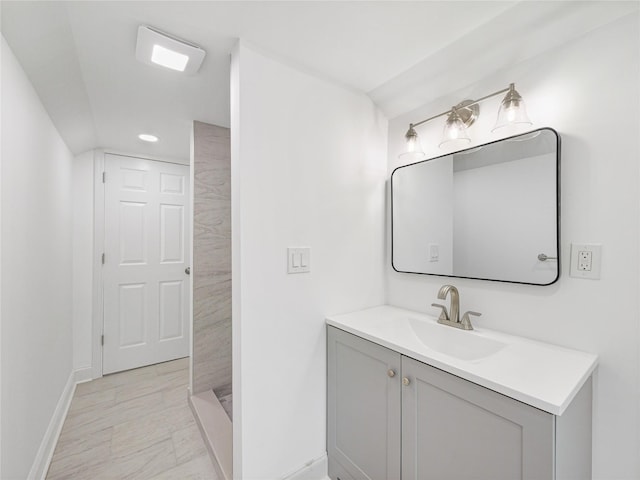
411	145
512	111
455	132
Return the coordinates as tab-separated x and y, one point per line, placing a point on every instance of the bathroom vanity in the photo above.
411	399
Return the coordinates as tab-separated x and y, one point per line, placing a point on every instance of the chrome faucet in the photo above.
453	320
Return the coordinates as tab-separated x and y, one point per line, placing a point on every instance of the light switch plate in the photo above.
434	252
585	260
298	259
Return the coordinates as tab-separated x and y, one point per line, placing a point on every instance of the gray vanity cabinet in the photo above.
363	409
453	429
391	417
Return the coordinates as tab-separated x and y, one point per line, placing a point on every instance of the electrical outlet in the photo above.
585	260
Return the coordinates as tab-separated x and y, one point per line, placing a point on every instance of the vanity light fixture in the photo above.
414	149
461	116
155	47
455	129
512	110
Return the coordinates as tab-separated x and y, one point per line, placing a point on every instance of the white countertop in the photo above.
539	374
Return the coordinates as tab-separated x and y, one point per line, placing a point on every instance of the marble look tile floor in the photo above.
132	425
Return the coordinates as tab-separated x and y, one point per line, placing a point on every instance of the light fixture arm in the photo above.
470	104
512	112
413	125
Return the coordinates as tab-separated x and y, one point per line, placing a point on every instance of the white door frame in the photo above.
98	248
97	327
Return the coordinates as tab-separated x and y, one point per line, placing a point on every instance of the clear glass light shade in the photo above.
413	149
455	132
512	111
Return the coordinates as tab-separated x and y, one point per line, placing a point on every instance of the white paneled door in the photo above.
146	284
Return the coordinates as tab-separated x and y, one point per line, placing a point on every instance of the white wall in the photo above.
83	259
36	361
308	169
1	116
584	89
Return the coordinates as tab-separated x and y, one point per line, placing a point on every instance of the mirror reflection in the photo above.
489	212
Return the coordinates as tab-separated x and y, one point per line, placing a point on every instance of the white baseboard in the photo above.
314	470
48	444
83	374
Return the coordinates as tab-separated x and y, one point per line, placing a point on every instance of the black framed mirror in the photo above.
490	212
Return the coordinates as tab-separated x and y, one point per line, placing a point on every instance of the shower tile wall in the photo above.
211	258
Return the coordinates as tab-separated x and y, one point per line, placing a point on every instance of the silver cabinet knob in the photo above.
391	373
405	381
187	270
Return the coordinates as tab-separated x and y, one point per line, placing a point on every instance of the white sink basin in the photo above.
461	344
539	374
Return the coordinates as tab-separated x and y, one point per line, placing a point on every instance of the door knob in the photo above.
405	381
187	270
391	373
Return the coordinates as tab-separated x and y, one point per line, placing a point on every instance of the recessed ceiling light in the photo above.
147	137
158	48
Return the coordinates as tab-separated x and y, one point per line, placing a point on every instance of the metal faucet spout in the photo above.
454	315
453	320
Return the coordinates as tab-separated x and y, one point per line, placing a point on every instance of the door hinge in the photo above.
103	258
102	340
104	177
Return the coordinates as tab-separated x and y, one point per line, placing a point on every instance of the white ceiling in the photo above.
80	55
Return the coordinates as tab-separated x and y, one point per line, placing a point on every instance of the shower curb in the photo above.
216	429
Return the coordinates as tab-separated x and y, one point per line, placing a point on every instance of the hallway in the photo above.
135	424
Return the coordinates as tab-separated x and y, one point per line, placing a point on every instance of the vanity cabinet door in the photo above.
364	405
453	429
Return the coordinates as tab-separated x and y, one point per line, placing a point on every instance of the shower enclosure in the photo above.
211	395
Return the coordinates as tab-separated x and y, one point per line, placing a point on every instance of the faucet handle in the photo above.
444	315
466	321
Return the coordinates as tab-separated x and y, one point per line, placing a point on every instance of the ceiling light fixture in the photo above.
154	47
169	58
512	112
148	137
